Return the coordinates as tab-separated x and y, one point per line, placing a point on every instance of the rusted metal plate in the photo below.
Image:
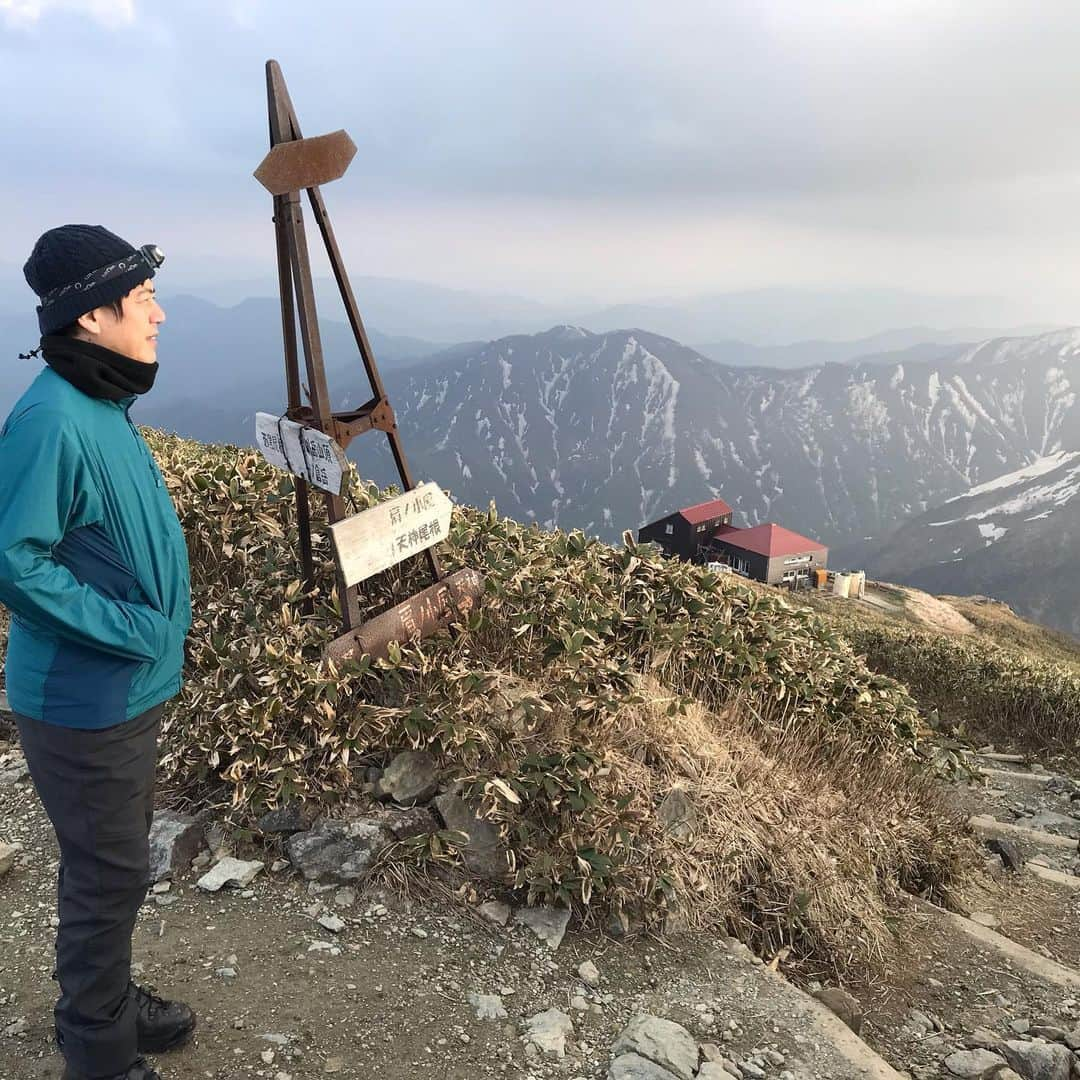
306	163
422	615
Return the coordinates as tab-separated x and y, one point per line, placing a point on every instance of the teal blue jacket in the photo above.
93	562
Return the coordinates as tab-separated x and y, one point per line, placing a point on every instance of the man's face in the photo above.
136	334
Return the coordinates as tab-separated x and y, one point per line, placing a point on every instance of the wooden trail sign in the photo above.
383	536
303	451
306	163
295	165
448	601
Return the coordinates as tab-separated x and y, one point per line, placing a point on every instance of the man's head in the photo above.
97	287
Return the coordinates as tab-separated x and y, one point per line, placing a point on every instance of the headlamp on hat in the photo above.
76	268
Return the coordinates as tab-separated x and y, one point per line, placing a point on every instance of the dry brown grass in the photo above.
592	682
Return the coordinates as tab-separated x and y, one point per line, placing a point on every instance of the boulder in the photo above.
548	1032
175	840
1053	822
1009	851
417	821
7	856
1049	1032
635	1067
971	1064
843	1005
677	814
411	778
229	871
663	1042
337	851
488	1006
1038	1060
547	923
495	911
484	854
295	816
13	770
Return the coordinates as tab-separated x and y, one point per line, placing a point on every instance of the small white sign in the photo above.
373	541
303	451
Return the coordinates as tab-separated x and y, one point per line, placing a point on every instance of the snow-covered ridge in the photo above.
1020	476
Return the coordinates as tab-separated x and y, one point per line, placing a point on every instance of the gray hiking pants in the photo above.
97	786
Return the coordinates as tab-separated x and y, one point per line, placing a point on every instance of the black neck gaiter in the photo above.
95	370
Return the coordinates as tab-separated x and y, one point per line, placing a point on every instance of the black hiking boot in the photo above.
139	1071
162	1025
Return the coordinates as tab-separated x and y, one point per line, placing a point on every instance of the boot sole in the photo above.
174	1042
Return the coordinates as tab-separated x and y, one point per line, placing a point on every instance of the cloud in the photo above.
27	13
909	138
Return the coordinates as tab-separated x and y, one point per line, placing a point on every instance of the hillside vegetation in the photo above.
1007	679
593	682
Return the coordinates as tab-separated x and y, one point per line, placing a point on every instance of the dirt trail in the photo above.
389	994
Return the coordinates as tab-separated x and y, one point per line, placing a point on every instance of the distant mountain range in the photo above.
811	318
1014	538
609	431
606	431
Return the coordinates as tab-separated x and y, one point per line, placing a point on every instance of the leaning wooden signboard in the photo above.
310	438
381	537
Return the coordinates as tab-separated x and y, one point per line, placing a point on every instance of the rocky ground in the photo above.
295	979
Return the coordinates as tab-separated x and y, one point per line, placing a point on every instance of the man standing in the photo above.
94	571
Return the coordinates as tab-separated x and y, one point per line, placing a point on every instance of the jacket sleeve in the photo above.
43	484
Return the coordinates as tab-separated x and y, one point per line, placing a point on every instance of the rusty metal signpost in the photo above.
309	439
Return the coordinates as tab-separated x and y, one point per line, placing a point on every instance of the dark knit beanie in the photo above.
76	268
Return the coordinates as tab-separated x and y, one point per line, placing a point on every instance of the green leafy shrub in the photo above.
591	683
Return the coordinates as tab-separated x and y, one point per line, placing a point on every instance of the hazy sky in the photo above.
605	149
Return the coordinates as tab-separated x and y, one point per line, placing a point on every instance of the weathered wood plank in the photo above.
372	541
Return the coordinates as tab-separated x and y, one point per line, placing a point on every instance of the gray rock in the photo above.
547	923
982	1038
1049	1032
677	814
635	1067
1072	1040
175	839
337	851
416	821
1021	1026
589	973
1011	856
972	1063
1038	1060
548	1032
7	856
411	778
664	1042
13	771
1051	821
334	923
295	816
843	1005
715	1070
1002	1073
754	1072
488	1006
229	871
984	918
496	912
484	855
920	1022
